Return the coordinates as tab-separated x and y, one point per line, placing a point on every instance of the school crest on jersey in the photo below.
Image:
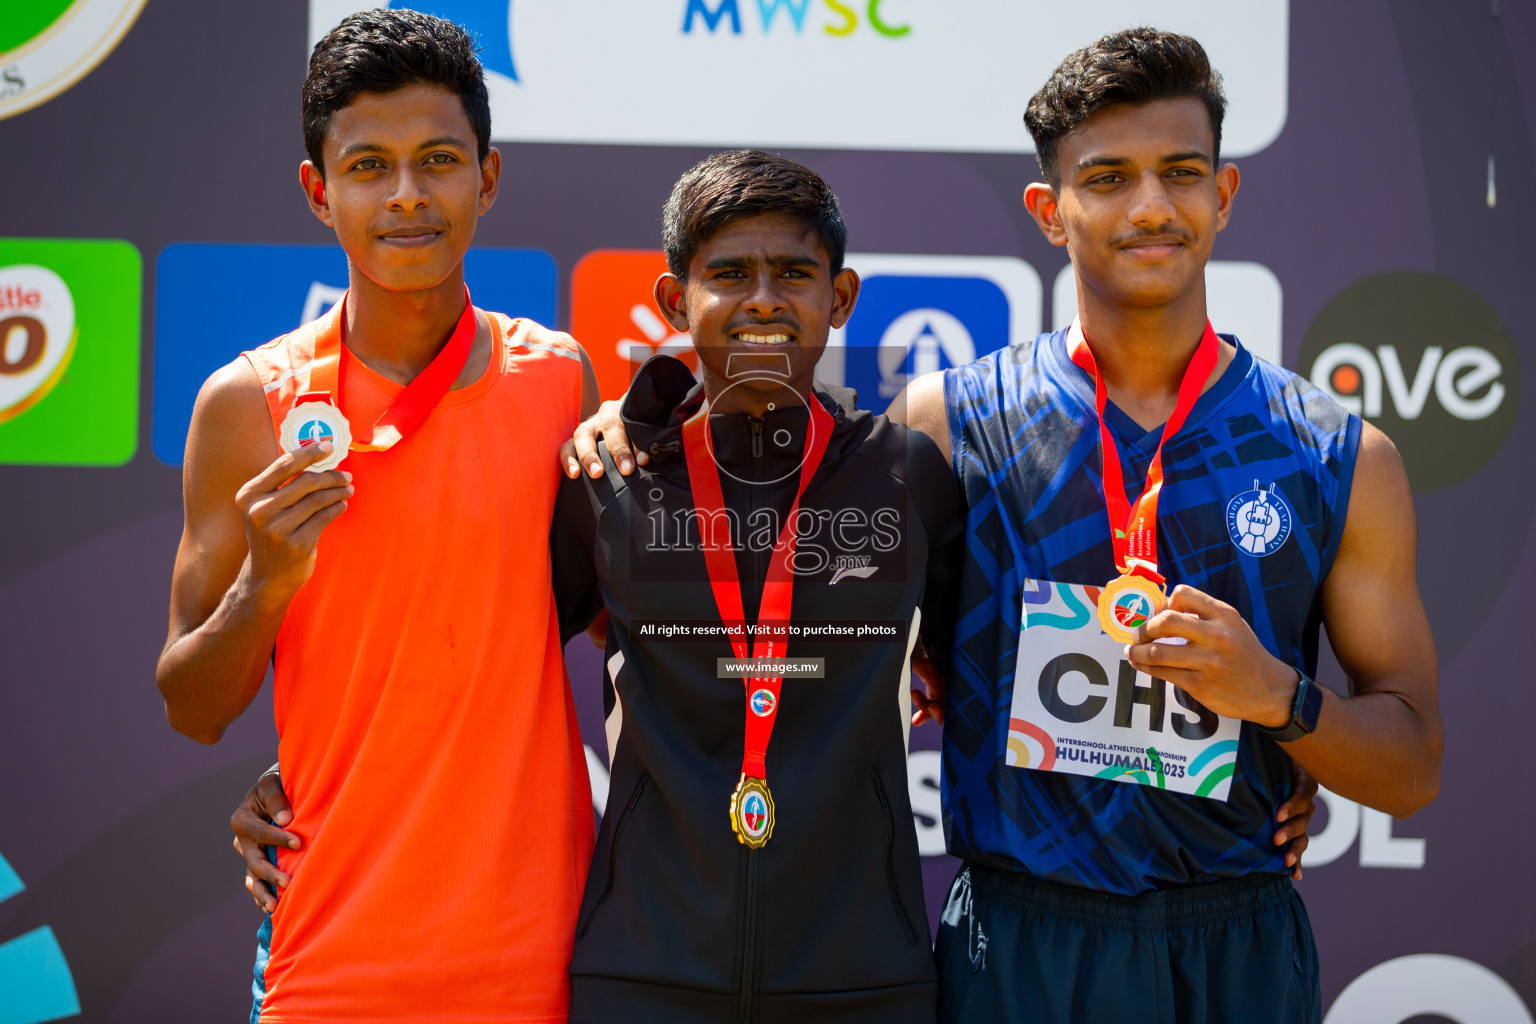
1259	521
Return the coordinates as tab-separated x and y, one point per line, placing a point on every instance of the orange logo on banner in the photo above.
613	315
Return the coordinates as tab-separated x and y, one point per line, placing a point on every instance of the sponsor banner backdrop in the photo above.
208	312
897	62
69	352
1378	244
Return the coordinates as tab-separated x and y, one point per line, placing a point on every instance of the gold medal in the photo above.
1128	602
752	812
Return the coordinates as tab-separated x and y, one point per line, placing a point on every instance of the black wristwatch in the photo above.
1305	708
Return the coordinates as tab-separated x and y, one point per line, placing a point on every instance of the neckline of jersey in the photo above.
1128	431
356	372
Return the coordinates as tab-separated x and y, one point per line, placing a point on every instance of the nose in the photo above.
765	301
408	189
1150	207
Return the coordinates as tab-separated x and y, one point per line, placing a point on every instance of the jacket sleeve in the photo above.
936	492
572	538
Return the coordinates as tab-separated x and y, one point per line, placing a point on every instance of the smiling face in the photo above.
759	300
403	186
1140	202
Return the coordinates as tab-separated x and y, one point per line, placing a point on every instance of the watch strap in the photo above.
1305	707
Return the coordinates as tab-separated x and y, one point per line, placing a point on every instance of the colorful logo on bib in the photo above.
315	430
1132	609
754	815
1259	521
763	703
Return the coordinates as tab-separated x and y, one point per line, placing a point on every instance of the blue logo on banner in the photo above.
905	326
35	980
213	302
489	21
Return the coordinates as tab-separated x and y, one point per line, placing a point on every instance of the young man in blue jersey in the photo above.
1116	828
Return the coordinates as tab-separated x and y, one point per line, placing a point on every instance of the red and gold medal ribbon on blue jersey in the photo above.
1133	527
414	403
769	639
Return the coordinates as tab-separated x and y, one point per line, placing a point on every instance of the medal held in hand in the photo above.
752	812
1128	601
312	420
316	416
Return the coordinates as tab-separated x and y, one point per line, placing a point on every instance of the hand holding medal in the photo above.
1131	599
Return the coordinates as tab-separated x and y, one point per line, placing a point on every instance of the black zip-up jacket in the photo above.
680	923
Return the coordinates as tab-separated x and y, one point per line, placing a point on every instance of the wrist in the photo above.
265	595
1277	715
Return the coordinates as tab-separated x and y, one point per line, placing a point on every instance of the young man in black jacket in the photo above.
757	861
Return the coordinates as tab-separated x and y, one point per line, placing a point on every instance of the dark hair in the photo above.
383	50
744	183
1135	66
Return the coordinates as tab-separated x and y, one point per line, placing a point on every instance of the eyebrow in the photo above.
1125	161
728	262
359	148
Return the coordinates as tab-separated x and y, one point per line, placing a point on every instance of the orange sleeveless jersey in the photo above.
427	736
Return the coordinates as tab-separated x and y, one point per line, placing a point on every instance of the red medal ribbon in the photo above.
1134	528
720	561
413	404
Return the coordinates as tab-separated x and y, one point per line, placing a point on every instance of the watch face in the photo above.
1308	707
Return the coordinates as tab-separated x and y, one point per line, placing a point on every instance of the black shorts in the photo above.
1018	950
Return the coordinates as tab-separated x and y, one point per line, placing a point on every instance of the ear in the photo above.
672	300
490	179
845	293
1043	205
1227	181
313	182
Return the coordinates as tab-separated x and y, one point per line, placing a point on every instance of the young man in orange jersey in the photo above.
417	664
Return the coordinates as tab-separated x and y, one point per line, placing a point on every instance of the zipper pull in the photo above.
757	439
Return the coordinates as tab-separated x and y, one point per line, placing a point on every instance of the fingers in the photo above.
927	710
266	899
263	879
568	462
1173	624
299	515
253	833
609	425
273	801
287	465
584	441
1196	602
307	536
1160	657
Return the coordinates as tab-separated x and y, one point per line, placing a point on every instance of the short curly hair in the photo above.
1135	66
381	50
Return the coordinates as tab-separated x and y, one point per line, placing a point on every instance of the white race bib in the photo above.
1079	706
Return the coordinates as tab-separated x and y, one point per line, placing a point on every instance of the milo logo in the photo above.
37	335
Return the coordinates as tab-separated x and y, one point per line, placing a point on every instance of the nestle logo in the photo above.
15	296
